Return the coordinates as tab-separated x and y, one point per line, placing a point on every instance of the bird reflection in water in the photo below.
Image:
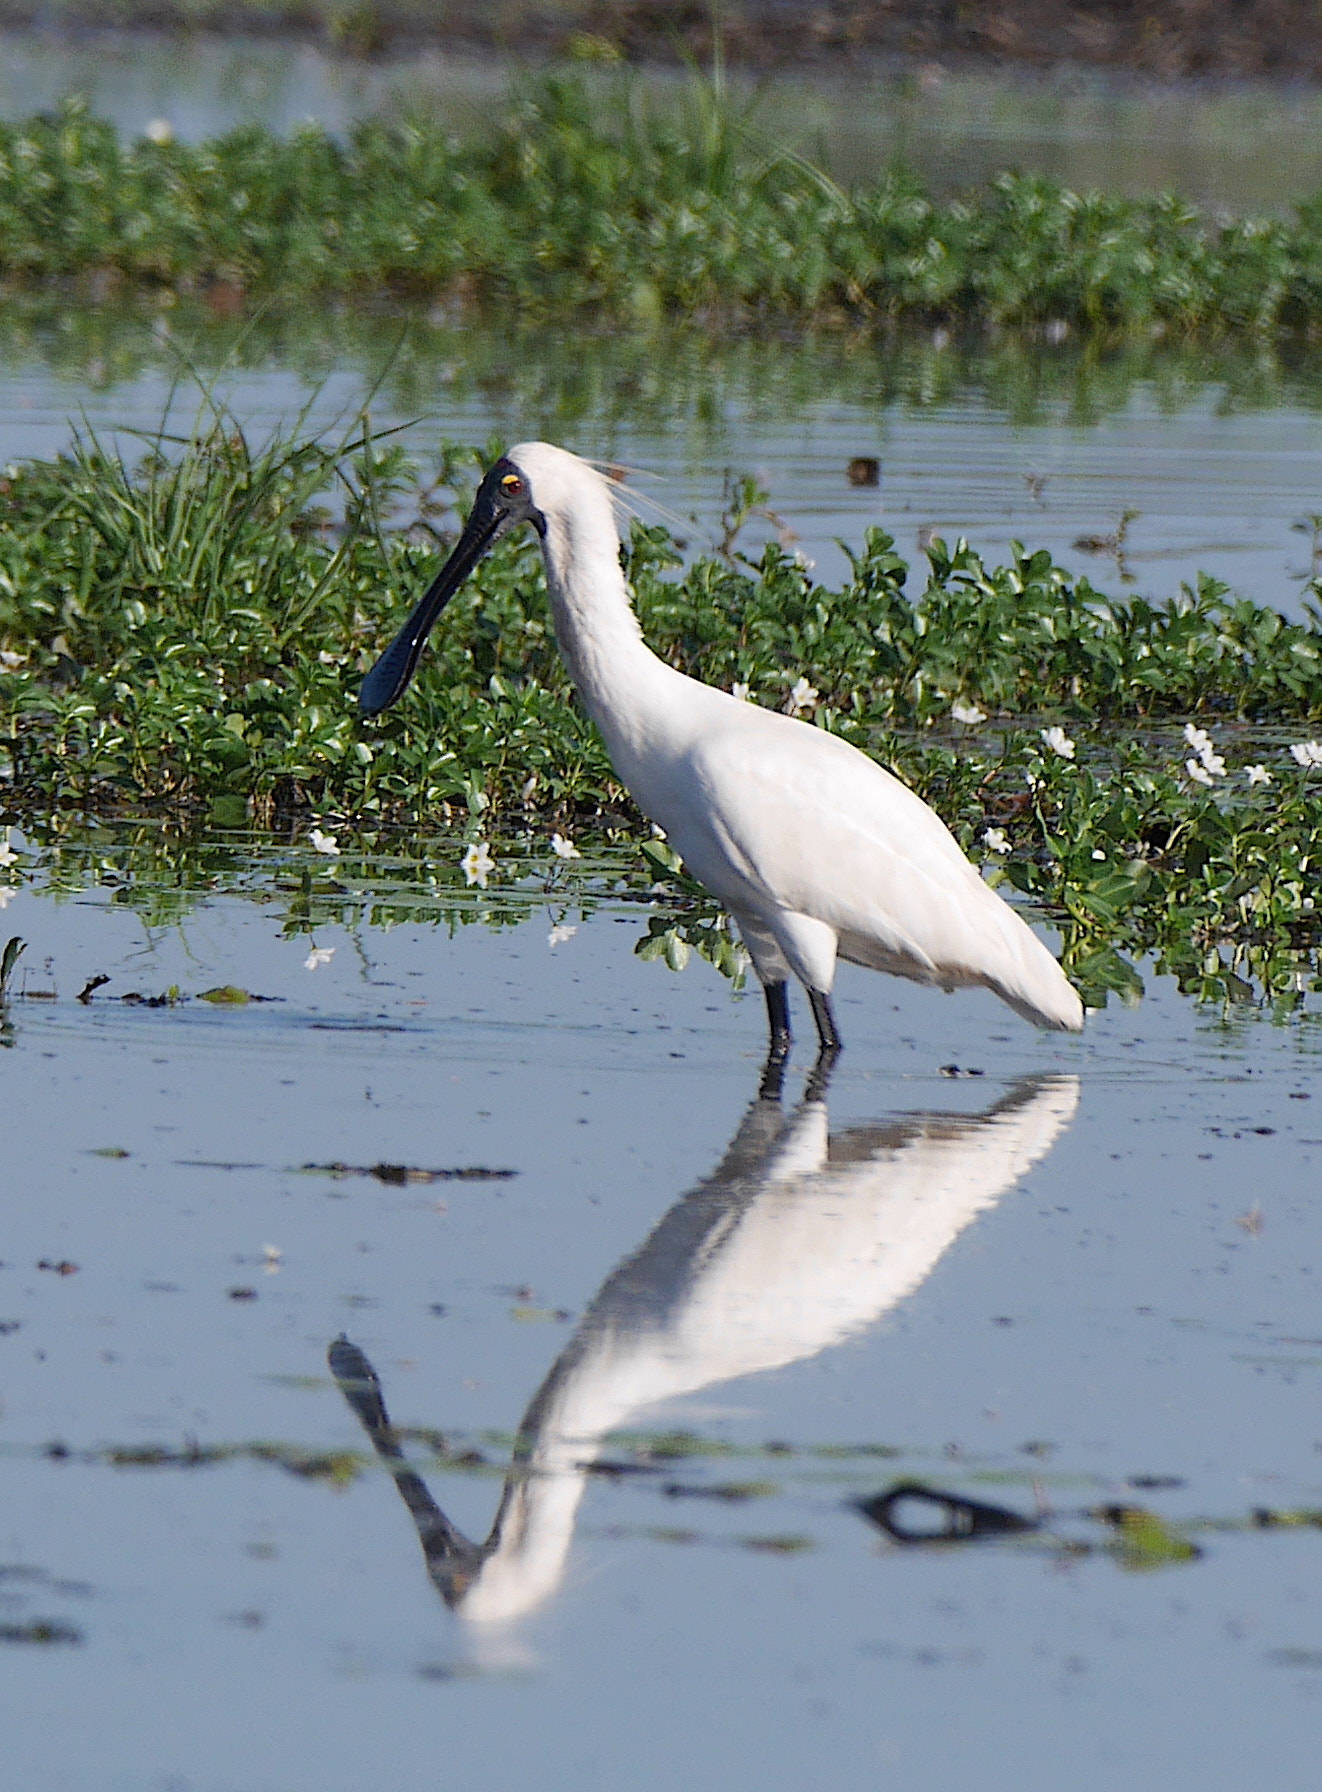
798	1240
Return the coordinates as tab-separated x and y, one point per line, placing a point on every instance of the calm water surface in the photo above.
1219	462
1085	1277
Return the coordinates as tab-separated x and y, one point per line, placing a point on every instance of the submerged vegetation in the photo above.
186	637
579	199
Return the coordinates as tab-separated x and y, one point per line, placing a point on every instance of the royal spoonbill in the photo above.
815	851
798	1240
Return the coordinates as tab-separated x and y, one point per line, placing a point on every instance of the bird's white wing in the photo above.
784	816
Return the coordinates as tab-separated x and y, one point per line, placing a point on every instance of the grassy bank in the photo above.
187	637
577	202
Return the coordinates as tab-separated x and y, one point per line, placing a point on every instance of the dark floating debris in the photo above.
1292	1656
731	1492
212	1163
243	1294
398	1174
9	957
60	1267
1268	1518
912	1513
953	1070
864	470
92	984
161	1456
40	1631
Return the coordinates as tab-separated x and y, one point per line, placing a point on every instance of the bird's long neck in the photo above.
599	636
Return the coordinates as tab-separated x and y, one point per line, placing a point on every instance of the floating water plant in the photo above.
580	198
186	637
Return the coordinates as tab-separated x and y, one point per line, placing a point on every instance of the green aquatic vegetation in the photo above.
579	197
185	638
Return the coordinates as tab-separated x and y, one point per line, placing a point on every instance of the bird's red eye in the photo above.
512	485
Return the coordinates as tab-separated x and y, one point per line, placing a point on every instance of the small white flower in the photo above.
159	131
320	842
1197	771
529	785
1058	741
658	833
968	713
11	661
272	1256
1307	753
564	848
559	934
6	897
7	854
318	956
1097	853
740	691
1208	757
802	697
1257	774
477	864
995	840
330	659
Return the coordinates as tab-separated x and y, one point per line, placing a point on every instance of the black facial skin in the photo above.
501	503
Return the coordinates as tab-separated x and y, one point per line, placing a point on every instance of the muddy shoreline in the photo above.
1277	40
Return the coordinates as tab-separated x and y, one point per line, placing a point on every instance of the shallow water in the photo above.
1085	1277
1220	460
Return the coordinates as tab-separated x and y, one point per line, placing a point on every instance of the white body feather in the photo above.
812	846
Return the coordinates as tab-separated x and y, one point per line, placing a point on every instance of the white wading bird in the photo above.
797	1241
813	848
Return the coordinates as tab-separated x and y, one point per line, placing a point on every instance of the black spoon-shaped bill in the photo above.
390	676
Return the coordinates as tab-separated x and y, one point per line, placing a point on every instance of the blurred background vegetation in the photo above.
1165	38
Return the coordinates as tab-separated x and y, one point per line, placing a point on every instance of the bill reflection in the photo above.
799	1239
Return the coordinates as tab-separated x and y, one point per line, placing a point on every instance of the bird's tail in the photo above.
1032	983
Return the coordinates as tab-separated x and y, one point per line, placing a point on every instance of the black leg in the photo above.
828	1046
778	1051
827	1032
778	1016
